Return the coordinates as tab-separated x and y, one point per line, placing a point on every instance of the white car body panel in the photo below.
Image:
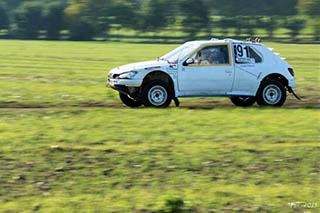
226	80
205	80
127	82
140	66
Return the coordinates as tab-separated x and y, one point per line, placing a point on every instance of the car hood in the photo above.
145	65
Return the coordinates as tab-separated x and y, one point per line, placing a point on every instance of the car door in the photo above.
210	73
248	68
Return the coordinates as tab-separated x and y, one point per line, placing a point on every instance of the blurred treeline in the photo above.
91	19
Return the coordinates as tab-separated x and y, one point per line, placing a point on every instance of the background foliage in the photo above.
91	19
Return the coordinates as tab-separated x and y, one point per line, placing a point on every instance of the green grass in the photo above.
84	152
80	160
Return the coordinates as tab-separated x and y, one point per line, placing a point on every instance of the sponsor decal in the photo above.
173	66
151	68
172	70
247	65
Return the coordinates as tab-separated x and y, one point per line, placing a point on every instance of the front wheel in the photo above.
156	93
243	101
129	101
271	93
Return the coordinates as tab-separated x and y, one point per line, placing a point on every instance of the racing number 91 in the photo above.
240	51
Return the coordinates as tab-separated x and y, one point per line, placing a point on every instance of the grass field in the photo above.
68	144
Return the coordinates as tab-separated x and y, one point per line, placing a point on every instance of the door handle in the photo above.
228	71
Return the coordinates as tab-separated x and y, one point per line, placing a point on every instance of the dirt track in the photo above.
196	104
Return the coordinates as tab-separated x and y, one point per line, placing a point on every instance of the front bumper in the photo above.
124	82
128	87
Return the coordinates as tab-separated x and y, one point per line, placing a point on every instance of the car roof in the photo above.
219	41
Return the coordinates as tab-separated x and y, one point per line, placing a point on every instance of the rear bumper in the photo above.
292	84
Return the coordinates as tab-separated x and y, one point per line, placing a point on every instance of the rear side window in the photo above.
246	55
255	55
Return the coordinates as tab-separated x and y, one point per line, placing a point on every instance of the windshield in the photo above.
178	54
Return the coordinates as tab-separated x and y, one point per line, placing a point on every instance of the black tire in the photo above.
156	93
243	101
129	101
271	93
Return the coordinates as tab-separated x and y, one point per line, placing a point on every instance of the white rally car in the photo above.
247	72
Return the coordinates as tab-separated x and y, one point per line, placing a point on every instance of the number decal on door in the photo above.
242	51
239	51
242	54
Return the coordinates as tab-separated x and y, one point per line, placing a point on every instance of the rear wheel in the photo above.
156	93
129	101
271	93
243	101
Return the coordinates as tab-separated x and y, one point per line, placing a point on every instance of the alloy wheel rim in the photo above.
157	95
272	94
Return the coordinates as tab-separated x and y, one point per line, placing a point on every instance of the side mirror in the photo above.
190	61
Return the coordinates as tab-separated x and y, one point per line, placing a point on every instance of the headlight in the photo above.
128	75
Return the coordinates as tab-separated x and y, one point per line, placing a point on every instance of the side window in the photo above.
253	54
245	54
212	55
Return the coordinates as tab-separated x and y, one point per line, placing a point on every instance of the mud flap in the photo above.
177	102
293	93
